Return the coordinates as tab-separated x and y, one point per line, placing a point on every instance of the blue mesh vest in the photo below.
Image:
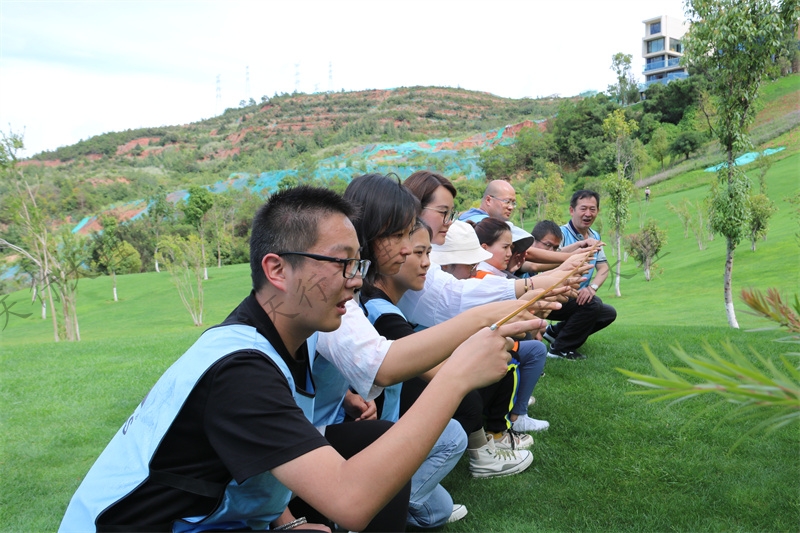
124	464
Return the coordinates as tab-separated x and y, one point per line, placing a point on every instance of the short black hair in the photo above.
385	207
544	228
289	222
584	193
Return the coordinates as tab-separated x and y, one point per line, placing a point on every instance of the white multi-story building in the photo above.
662	49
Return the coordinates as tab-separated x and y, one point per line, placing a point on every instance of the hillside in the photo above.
281	133
326	139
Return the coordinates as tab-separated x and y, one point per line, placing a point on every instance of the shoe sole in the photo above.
521	467
531	430
555	356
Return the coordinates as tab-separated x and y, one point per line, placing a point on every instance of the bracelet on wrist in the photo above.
291	525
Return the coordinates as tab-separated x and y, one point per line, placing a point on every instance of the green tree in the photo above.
578	130
619	190
112	255
184	260
287	182
159	213
195	210
762	163
546	192
69	256
626	90
659	145
645	245
761	210
731	43
671	101
686	143
35	239
499	162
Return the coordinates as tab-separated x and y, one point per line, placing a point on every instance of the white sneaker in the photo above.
526	423
459	512
531	400
487	461
511	440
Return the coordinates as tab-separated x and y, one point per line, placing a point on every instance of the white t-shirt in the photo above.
357	350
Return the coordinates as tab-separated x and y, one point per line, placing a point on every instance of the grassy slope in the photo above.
688	275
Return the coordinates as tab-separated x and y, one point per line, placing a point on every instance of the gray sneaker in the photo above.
513	440
488	461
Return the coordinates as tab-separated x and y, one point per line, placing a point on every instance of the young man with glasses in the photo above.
499	201
225	437
578	317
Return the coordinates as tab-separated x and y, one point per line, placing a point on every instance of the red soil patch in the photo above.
36	163
130	145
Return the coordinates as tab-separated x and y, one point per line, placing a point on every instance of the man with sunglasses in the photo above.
499	201
228	434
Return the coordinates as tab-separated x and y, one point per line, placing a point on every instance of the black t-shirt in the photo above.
391	325
239	420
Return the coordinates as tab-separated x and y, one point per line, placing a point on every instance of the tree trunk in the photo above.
203	251
53	311
73	305
114	278
619	265
727	287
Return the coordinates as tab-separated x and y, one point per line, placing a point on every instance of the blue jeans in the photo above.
430	505
531	356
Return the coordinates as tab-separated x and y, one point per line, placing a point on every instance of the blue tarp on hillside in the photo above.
745	159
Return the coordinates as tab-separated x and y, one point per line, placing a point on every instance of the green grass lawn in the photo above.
609	461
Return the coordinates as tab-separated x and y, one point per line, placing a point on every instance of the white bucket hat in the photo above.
521	238
461	247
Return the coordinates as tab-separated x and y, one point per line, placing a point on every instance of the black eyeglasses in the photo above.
549	245
447	216
507	201
351	266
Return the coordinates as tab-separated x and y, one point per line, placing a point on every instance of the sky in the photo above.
70	70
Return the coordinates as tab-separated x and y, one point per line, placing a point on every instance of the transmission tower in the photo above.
219	97
247	83
297	77
330	76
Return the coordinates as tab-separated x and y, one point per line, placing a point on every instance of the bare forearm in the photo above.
538	255
602	273
418	353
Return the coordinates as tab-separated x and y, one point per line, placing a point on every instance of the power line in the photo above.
219	97
247	83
